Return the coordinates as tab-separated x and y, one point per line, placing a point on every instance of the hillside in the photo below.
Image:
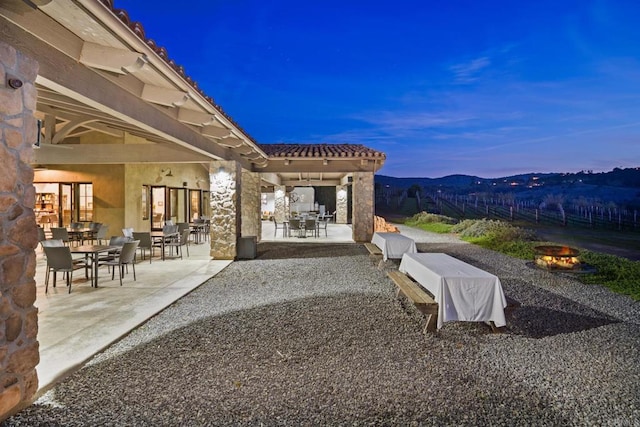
619	186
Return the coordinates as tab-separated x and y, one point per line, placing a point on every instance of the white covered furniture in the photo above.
393	245
463	292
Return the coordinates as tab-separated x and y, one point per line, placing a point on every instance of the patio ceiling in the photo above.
98	73
102	82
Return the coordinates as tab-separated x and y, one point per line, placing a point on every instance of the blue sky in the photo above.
487	88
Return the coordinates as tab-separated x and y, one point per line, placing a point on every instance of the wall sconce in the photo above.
168	172
14	83
325	162
287	161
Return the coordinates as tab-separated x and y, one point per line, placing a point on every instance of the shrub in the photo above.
426	217
495	230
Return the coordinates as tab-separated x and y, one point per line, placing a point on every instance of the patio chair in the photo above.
59	259
282	226
128	232
60	233
126	257
144	237
101	235
310	225
183	240
294	225
322	225
111	255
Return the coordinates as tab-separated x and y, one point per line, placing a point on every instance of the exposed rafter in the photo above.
195	117
107	58
164	96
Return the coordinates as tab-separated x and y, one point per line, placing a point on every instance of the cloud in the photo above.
468	72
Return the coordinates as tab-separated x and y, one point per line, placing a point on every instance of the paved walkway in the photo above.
74	327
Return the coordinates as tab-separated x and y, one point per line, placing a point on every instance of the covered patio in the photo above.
113	131
73	327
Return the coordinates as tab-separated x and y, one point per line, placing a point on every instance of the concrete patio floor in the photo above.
74	327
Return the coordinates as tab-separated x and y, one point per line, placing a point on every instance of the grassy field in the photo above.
613	255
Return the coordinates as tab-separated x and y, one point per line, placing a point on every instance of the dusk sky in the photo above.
486	88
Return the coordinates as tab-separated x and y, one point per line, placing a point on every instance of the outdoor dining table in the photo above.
393	245
91	253
462	291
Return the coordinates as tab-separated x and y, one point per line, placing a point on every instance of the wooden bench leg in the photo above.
431	314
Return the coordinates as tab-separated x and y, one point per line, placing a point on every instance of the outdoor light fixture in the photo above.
168	172
222	170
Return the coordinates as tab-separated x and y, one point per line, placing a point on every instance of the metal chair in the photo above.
183	240
128	232
59	259
60	233
310	225
323	225
281	226
144	237
127	256
294	225
101	235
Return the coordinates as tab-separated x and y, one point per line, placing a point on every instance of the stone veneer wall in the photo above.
251	220
18	233
341	204
280	206
363	208
225	208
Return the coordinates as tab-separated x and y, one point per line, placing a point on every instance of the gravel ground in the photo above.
311	334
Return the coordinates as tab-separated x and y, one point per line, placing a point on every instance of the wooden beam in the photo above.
215	132
230	142
164	96
114	154
68	128
197	118
107	58
316	182
60	73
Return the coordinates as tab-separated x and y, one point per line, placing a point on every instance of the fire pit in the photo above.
552	257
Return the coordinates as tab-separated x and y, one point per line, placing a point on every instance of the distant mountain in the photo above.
621	186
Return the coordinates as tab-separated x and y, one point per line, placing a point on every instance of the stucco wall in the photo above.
137	175
108	189
18	237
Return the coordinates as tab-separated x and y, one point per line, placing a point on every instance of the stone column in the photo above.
18	238
280	208
341	204
251	218
225	208
363	207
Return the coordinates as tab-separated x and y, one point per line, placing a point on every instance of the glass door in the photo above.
158	206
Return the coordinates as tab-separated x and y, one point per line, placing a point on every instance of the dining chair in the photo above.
323	225
144	237
183	240
282	226
126	257
310	226
294	225
59	259
60	233
101	234
128	232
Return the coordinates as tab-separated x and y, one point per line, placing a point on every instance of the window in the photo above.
85	202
